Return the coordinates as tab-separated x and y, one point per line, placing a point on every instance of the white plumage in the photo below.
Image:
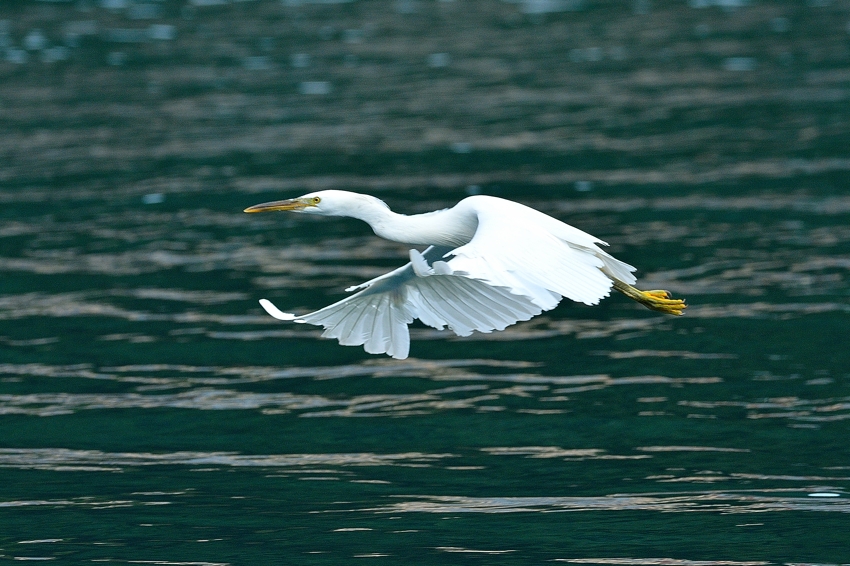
490	263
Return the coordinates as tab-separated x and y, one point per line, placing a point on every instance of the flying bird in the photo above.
489	263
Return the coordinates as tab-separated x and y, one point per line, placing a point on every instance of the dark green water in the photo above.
151	413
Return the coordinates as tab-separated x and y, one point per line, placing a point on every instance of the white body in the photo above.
491	263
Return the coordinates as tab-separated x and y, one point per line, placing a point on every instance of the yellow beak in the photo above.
290	204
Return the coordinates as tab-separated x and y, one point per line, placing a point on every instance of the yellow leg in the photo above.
657	300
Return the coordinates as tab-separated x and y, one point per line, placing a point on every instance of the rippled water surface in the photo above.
152	413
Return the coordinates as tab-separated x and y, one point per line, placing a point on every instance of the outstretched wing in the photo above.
438	295
535	255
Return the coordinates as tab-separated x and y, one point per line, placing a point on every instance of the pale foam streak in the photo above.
198	256
62	459
182	295
208	399
84	502
697	502
690	449
663	562
478	384
174	563
827	205
205	399
377	405
183	375
61	305
460	550
781	311
567	454
793	408
685	355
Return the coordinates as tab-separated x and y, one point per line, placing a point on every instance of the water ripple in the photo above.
696	502
150	375
369	405
794	408
81	304
663	562
84	502
62	459
569	454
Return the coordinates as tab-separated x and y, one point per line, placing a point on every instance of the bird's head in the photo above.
323	203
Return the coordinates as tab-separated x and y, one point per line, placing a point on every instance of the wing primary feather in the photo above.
332	315
356	333
476	315
336	311
461	322
385	326
401	339
342	325
531	308
458	321
451	292
498	311
498	304
365	319
424	311
436	307
377	338
397	330
500	300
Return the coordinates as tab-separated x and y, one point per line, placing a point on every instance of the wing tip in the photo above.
275	312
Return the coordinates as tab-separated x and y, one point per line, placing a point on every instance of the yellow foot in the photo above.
657	300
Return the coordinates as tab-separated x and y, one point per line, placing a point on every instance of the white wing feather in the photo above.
377	316
536	255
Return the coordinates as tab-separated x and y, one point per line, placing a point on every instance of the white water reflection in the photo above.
756	501
568	454
665	354
460	550
690	449
474	384
63	460
183	375
794	408
84	304
205	393
666	562
55	404
178	375
84	502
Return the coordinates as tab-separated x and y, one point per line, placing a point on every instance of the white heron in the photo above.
489	263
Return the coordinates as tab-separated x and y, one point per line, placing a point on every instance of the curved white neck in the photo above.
442	228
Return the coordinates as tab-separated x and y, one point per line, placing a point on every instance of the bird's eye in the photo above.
315	200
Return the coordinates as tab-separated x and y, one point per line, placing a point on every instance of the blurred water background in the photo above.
151	413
